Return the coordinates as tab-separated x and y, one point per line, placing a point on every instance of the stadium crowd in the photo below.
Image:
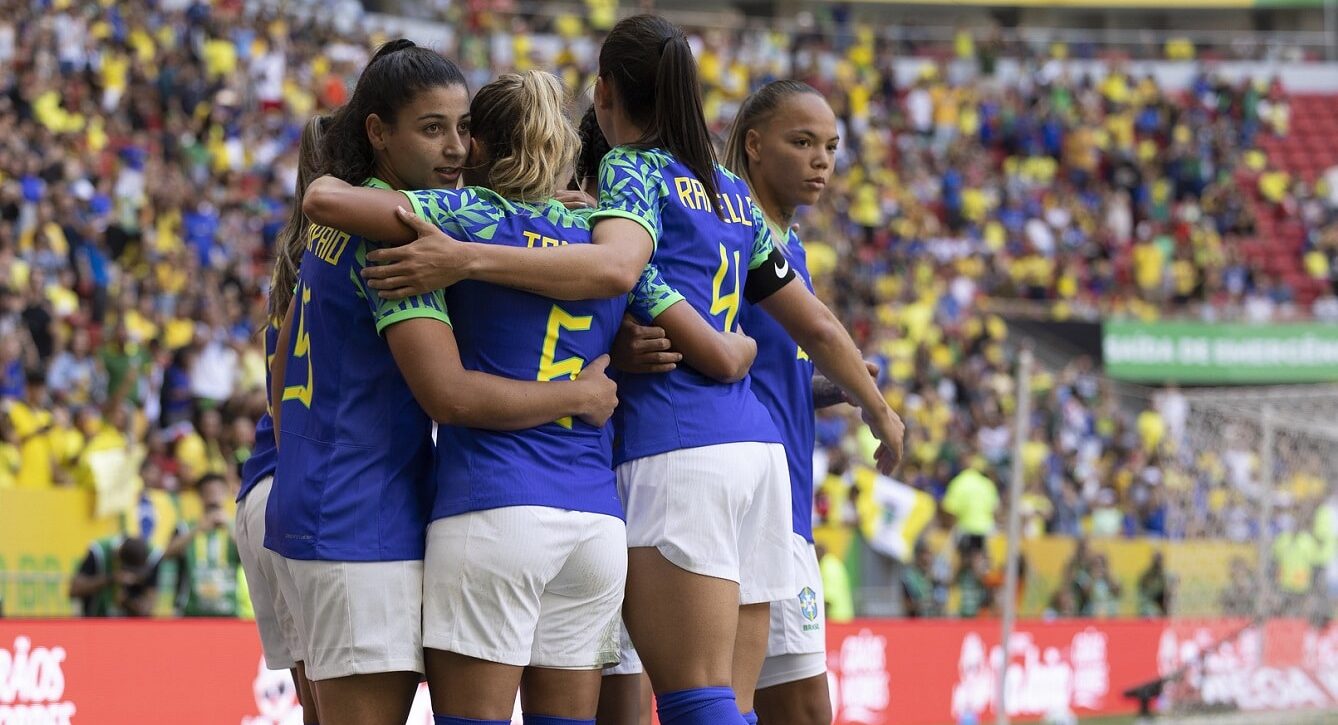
148	156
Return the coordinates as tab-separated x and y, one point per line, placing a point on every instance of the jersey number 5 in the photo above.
302	349
726	303
550	368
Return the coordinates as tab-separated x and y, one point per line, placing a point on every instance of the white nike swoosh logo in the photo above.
783	270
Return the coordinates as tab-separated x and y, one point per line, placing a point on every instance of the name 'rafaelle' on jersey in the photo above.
734	208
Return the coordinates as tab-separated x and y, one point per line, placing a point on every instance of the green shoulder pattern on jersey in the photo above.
763	240
630	187
557	214
475	212
651	296
388	312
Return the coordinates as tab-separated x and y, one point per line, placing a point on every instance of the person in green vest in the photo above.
972	499
1295	556
117	578
210	565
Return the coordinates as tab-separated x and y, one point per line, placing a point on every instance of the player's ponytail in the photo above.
290	243
395	75
650	64
521	119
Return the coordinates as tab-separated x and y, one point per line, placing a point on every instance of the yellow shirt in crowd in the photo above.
37	460
973	498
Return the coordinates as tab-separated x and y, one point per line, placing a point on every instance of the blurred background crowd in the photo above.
148	157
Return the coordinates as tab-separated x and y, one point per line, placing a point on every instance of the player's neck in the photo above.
382	171
625	131
778	217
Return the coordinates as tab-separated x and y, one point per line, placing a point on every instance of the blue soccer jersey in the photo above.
782	378
505	332
354	480
701	257
264	455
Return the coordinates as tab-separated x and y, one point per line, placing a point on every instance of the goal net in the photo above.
1247	479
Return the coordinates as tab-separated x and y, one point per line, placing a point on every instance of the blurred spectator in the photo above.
118	578
1063	604
1325	526
1295	558
1097	590
1107	516
972	585
31	422
1154	589
836	590
210	564
922	593
972	500
1238	598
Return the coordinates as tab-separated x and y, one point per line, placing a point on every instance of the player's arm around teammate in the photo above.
353	493
541	547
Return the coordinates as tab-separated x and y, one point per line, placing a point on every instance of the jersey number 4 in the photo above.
550	368
726	303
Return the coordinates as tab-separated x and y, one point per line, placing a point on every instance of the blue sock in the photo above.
750	717
699	706
452	720
554	720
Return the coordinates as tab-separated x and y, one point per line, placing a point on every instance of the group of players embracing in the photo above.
571	525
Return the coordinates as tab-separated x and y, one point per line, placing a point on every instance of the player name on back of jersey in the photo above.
734	208
535	239
327	243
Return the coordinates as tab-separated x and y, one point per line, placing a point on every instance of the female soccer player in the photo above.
701	470
783	143
354	488
278	636
527	552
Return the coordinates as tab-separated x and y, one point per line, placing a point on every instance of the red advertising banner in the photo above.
108	672
933	672
1287	664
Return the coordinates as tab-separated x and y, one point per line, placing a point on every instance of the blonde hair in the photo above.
522	120
290	243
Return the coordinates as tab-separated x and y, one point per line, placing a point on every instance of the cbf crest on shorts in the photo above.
808	604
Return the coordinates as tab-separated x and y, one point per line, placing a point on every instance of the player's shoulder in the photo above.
729	176
477	211
636	159
557	214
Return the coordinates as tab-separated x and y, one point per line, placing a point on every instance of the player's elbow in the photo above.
820	334
619	278
318	203
461	406
723	364
453	411
739	365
